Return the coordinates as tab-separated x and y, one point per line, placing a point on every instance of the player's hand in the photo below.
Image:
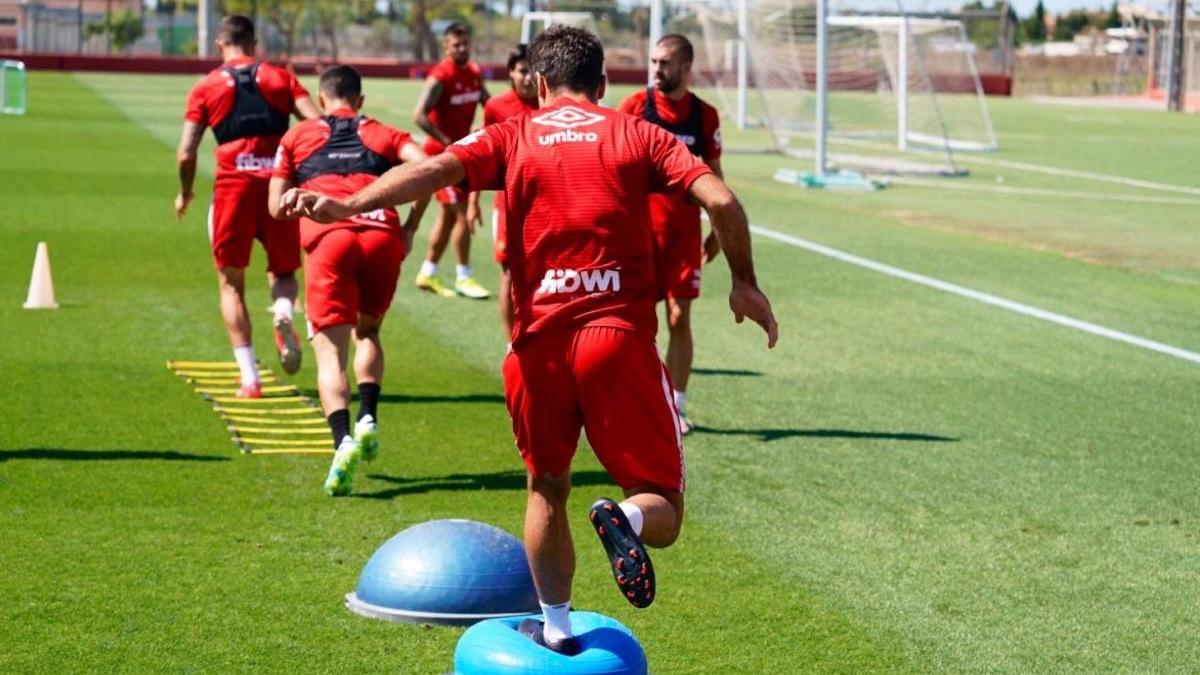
298	203
406	234
181	204
474	214
745	300
712	247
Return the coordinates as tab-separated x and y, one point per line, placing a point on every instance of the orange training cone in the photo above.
41	288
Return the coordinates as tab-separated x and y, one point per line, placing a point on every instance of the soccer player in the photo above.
522	98
676	221
247	103
577	178
354	263
446	111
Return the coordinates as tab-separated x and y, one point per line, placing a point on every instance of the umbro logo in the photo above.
568	117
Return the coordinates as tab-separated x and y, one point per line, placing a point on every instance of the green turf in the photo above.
911	482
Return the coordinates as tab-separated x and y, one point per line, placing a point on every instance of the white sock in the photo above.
634	514
428	268
558	621
283	308
244	356
463	271
680	400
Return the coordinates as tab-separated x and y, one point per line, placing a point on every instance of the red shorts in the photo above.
452	195
499	237
678	258
607	381
238	216
351	270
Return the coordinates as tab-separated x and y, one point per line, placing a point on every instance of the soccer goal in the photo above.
889	93
13	88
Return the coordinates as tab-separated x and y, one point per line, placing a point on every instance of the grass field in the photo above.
912	482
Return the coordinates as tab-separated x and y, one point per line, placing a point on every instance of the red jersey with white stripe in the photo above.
309	137
668	214
495	111
578	178
454	112
211	101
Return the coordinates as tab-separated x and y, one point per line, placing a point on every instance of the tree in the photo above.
1035	25
121	29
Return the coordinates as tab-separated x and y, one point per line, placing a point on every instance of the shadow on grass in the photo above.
726	372
460	482
768	435
417	398
106	455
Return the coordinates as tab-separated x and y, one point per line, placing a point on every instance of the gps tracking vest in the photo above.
690	131
251	114
343	154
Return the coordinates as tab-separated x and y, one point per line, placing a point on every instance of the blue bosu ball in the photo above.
496	648
453	572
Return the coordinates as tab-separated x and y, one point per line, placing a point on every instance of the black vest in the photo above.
251	114
690	131
343	154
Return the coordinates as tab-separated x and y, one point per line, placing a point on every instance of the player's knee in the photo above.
554	489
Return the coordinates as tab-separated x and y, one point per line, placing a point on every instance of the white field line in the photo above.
1010	190
987	298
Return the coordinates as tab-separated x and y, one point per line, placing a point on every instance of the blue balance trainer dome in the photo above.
453	572
496	648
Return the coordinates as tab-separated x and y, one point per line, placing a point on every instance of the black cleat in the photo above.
534	630
631	566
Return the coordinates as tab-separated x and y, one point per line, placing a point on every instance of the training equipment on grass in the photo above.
14	87
495	647
447	572
41	288
282	422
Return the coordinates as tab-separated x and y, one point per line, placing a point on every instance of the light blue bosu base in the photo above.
832	180
496	648
450	572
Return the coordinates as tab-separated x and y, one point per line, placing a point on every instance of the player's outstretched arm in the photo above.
411	153
305	109
185	158
400	185
729	222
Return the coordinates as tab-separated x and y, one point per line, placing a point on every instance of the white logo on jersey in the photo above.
469	138
377	215
568	117
248	162
592	281
568	136
467	97
688	139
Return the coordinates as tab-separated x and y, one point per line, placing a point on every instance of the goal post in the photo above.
14	88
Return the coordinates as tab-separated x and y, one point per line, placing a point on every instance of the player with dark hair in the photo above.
521	99
247	103
577	178
353	264
678	250
446	111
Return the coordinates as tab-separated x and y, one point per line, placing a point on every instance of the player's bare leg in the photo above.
551	555
647	517
505	302
332	345
283	294
368	372
439	238
231	282
679	354
662	515
464	284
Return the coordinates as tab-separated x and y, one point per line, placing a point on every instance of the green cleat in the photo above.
433	285
469	288
341	473
367	436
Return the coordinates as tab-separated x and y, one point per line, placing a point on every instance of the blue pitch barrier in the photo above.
449	572
494	647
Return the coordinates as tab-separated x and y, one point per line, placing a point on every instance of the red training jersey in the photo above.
668	213
578	178
496	110
211	101
454	112
307	138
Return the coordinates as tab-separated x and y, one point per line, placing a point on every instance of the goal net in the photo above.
13	88
903	92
